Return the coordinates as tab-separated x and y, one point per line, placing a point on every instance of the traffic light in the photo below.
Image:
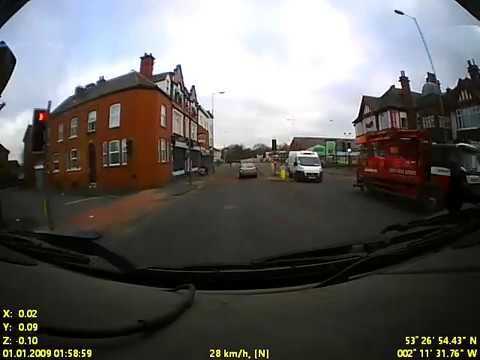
40	119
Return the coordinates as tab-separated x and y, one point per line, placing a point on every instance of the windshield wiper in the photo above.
36	249
438	220
436	232
63	248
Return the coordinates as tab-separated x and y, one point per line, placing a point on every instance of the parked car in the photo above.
247	170
203	170
304	165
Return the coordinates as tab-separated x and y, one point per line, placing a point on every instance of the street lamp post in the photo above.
399	12
213	99
212	145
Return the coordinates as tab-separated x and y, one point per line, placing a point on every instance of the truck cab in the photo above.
455	170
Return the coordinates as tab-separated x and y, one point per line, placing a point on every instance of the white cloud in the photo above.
306	60
211	40
79	76
12	131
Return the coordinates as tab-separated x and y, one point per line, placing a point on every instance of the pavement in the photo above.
223	219
25	208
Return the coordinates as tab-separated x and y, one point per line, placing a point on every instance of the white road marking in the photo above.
82	200
229	207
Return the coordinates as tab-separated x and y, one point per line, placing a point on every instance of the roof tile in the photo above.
130	80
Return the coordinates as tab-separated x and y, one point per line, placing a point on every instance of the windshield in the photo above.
248	165
470	160
191	133
154	144
308	161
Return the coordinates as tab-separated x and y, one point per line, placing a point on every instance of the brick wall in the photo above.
139	123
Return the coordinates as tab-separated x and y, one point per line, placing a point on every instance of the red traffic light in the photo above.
42	116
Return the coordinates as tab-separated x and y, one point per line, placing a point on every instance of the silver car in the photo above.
247	170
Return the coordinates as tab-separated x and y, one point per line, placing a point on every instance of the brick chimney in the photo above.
408	101
405	82
146	65
432	78
473	70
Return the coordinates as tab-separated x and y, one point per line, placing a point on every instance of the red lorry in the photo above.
407	163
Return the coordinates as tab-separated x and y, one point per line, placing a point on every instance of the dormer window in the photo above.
366	110
464	96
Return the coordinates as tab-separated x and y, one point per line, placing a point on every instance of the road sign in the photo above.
330	147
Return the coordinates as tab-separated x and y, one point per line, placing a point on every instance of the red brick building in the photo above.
113	134
191	124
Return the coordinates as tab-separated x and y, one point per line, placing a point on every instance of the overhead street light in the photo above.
399	12
213	99
213	128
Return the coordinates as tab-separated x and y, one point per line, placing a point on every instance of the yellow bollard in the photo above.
283	173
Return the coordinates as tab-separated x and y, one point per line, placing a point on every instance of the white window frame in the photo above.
403	116
163	116
371	119
114	116
428	122
459	118
163	150
56	162
92	121
180	123
193	134
124	152
110	153
105	153
71	159
60	132
74	128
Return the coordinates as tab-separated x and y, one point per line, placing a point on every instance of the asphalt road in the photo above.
229	220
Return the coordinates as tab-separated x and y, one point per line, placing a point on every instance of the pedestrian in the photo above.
457	189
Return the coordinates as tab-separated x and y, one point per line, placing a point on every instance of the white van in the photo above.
304	165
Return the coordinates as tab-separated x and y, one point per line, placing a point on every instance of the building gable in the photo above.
193	94
4	149
178	76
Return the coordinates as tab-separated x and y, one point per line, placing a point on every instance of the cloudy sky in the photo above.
288	67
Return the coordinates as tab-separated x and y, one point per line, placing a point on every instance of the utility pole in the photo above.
46	188
212	146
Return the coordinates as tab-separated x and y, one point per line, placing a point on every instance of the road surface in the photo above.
228	220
